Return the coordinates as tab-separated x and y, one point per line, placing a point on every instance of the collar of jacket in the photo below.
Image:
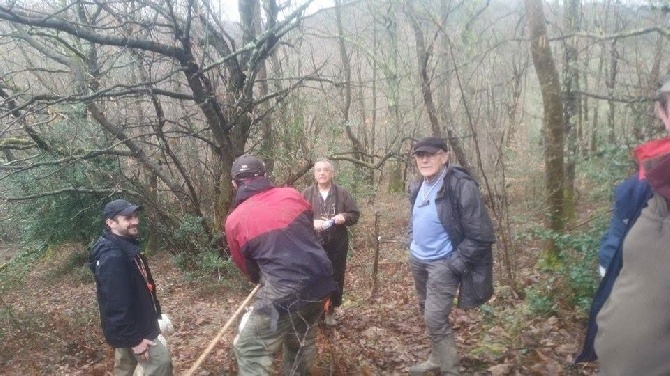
130	246
415	185
250	188
332	191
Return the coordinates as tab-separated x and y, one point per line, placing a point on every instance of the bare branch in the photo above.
100	191
623	35
73	29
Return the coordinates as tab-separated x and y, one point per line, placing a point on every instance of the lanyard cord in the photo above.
326	211
440	177
141	267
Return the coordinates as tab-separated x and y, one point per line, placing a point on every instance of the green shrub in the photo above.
197	255
572	283
61	209
542	298
75	264
13	274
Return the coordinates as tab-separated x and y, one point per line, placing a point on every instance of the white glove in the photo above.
243	322
165	325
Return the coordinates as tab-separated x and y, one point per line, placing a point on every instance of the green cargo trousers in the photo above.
295	331
159	363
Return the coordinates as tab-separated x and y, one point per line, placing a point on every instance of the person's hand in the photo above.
339	219
318	225
142	349
457	265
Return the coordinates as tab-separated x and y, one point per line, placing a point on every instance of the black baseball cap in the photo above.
119	207
430	145
247	166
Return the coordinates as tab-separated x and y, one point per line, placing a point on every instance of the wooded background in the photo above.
153	100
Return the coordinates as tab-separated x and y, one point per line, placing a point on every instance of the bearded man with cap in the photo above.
126	292
271	239
451	238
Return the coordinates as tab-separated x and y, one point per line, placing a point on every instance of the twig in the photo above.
375	267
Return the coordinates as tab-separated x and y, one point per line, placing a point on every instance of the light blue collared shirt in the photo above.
430	241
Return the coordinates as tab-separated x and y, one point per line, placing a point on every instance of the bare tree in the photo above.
196	87
423	55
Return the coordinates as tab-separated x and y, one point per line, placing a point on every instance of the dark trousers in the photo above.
336	248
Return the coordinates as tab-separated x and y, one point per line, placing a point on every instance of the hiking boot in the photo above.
329	319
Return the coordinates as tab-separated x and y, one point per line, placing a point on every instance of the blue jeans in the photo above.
436	284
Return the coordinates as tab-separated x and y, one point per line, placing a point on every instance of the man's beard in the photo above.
132	234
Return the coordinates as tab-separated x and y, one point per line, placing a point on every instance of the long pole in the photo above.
216	339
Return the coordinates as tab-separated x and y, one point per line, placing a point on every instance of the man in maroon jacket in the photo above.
271	239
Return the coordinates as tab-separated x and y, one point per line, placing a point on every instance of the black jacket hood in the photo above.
250	187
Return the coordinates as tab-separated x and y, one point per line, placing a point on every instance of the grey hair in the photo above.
330	163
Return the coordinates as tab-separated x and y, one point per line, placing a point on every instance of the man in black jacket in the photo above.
129	309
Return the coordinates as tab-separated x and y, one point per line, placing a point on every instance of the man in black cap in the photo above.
451	237
129	308
271	239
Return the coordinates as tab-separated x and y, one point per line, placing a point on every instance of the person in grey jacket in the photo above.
633	335
451	238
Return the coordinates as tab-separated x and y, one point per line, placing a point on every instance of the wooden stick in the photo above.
375	265
216	339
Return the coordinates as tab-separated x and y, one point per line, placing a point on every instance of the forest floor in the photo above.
49	323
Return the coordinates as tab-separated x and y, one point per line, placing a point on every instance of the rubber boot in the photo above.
446	355
432	364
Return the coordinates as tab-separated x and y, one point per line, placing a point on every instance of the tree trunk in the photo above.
359	149
547	75
612	76
268	136
572	101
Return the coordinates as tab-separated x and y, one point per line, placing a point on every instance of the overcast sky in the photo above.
229	7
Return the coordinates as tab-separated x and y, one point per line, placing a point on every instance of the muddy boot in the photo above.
446	355
432	364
